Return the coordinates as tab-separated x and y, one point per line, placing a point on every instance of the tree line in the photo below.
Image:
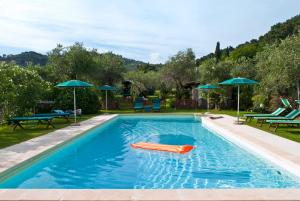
273	60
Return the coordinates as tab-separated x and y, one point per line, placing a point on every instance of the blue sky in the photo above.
147	30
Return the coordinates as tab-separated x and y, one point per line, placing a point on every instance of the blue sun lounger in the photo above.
138	106
55	114
16	121
156	105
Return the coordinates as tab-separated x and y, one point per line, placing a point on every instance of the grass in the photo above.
292	133
9	137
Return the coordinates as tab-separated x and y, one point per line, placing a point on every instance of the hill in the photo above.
249	49
24	58
131	64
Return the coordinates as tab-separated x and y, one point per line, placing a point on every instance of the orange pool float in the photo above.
180	149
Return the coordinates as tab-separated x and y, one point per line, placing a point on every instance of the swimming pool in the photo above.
103	159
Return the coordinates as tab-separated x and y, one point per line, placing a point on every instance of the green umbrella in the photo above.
74	84
238	82
208	87
106	88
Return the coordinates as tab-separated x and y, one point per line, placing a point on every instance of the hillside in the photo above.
249	49
131	64
25	58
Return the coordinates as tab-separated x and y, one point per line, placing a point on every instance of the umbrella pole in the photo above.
298	90
207	101
106	100
238	105
74	104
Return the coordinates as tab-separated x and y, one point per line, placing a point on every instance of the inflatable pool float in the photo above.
180	149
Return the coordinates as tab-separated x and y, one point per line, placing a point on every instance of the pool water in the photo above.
103	159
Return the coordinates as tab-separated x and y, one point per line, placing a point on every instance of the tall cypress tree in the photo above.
218	52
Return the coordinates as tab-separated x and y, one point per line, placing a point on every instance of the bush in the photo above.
86	99
20	90
259	103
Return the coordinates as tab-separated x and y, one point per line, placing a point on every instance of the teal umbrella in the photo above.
238	82
106	88
208	87
74	84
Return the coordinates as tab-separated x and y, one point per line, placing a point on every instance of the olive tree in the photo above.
179	70
278	68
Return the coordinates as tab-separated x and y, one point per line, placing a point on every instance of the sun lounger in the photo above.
276	123
273	114
290	116
138	105
156	105
286	103
16	121
62	114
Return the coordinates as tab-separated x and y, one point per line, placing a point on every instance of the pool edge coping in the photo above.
153	195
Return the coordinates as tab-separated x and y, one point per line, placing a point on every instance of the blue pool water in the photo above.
103	159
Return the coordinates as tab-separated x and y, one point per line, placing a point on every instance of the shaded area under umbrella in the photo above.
74	84
208	87
238	81
106	88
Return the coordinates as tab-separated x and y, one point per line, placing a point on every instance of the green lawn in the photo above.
9	137
291	133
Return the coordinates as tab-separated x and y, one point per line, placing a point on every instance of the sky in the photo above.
146	30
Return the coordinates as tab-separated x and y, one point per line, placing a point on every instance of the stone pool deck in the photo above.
280	151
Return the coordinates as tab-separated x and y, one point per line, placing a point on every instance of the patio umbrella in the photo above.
74	84
208	87
106	88
238	82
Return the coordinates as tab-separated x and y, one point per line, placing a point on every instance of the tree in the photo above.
143	83
218	52
278	68
74	62
212	72
20	89
109	68
180	69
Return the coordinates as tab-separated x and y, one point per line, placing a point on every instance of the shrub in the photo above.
86	99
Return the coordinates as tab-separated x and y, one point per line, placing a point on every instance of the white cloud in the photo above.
154	57
140	29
